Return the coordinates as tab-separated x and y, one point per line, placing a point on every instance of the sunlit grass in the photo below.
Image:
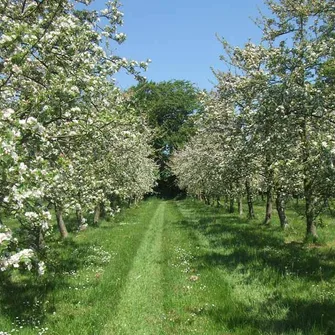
82	288
274	283
180	267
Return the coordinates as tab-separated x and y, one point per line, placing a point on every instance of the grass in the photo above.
86	276
142	297
272	282
180	267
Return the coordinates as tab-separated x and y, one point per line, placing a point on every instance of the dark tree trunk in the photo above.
280	204
60	222
97	212
102	210
251	212
268	210
240	205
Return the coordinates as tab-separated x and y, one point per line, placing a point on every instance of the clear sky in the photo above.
179	36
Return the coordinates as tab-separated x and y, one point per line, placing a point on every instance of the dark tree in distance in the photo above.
170	108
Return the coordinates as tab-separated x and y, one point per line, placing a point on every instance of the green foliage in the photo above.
328	71
170	108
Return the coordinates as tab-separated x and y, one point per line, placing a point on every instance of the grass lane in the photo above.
140	310
191	294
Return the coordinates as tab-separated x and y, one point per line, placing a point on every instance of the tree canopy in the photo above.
170	108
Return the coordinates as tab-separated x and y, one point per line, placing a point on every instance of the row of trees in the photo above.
70	140
270	125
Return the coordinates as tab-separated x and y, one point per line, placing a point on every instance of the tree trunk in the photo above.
115	201
97	211
268	211
231	204
40	241
311	228
79	215
240	205
310	219
280	204
102	210
251	212
60	222
226	200
308	191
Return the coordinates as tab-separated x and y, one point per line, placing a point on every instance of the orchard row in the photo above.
70	141
270	125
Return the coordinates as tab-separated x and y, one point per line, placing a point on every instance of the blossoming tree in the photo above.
68	138
282	94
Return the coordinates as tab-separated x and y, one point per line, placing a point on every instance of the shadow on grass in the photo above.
233	244
303	317
258	246
27	296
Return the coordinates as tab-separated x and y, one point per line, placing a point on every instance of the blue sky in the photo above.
179	36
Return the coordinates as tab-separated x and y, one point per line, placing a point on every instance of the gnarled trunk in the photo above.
310	218
97	212
251	212
268	210
311	228
308	190
40	241
60	222
79	215
280	204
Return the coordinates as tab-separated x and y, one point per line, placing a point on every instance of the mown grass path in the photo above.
178	267
142	298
